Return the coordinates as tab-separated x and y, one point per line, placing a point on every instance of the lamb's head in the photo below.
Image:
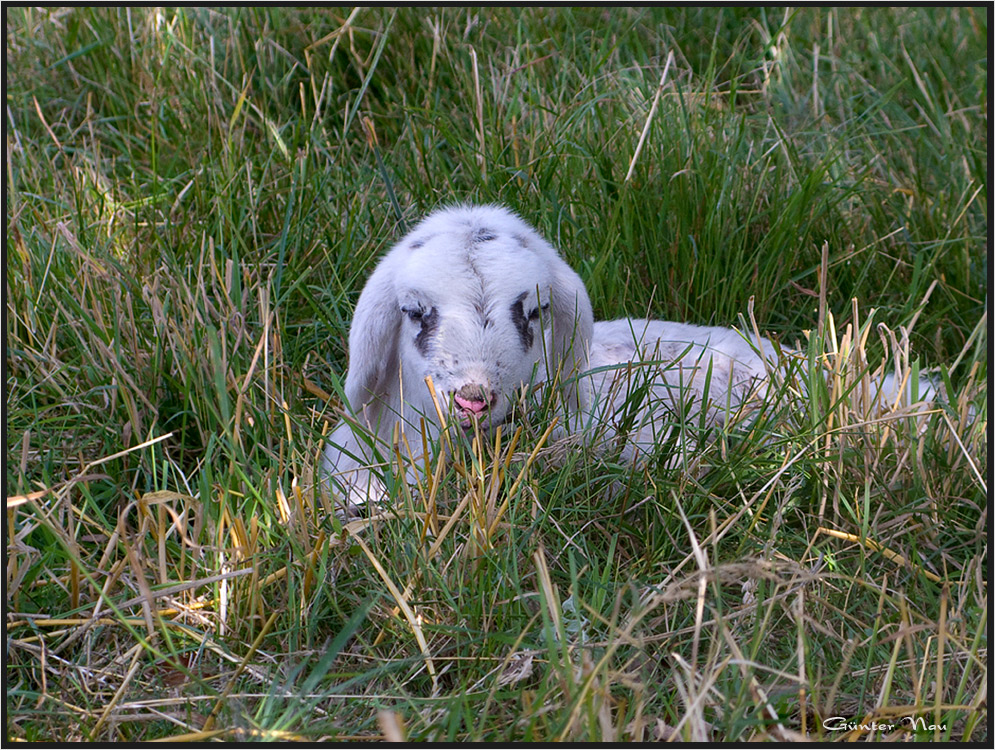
474	298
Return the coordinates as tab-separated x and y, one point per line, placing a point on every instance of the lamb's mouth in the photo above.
474	406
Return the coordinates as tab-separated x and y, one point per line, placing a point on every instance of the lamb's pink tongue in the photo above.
469	405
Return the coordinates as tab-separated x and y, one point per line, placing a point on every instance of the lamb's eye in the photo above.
534	315
414	313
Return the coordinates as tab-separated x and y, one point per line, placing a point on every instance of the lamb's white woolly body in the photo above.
474	298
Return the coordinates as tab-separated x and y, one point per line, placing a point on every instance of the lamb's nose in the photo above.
474	399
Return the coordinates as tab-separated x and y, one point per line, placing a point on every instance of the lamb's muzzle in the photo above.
475	399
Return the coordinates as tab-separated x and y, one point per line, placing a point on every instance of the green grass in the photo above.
194	200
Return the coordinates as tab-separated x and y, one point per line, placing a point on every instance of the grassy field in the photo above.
194	200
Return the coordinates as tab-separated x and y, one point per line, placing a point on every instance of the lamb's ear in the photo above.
373	342
573	326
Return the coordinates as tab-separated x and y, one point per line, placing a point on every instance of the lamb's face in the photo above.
473	304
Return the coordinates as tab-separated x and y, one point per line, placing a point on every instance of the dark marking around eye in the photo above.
429	322
522	321
484	235
417	244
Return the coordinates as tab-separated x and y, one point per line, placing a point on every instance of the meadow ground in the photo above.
194	198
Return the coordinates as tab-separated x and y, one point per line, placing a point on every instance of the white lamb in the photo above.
476	299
